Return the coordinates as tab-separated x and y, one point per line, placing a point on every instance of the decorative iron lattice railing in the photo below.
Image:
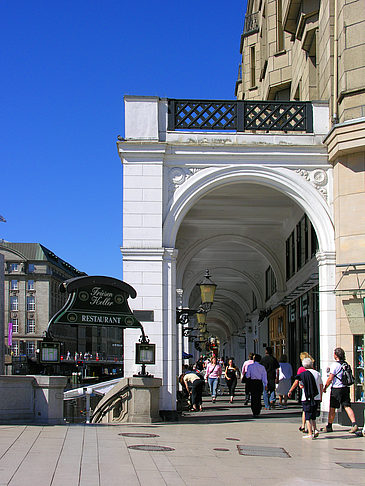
240	116
251	24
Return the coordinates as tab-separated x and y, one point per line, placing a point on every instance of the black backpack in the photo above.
347	376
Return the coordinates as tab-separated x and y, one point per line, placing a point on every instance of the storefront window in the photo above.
359	368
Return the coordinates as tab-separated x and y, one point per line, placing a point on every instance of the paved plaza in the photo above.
204	449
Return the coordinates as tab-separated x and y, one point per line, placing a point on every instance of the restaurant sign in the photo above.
96	301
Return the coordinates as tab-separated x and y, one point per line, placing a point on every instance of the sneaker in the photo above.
353	429
316	434
329	428
308	436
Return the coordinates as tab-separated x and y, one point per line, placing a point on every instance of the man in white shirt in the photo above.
244	378
340	394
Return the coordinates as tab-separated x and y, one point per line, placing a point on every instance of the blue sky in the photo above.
65	67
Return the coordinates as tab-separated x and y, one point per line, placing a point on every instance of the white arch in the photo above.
284	180
260	247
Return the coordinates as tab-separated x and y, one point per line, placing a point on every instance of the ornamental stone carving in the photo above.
177	176
318	178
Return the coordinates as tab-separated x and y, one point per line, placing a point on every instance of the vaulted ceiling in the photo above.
236	231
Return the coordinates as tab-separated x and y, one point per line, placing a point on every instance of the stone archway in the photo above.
284	180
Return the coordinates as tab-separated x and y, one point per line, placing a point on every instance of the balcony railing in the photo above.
240	116
251	24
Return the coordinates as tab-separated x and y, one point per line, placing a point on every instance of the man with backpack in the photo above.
341	378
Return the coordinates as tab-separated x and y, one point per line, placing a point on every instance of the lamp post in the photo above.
183	315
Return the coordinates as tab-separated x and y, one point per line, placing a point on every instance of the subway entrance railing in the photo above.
240	116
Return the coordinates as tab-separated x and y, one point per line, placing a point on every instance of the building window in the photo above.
14	303
15	324
30	267
30	325
290	256
30	348
31	303
252	66
279	26
314	242
301	245
270	283
14	267
14	285
254	302
15	348
30	284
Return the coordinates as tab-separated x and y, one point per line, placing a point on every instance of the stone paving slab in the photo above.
97	455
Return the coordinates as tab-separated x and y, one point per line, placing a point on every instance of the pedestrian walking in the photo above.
271	365
310	382
301	368
283	380
199	365
257	382
340	393
244	379
231	374
213	373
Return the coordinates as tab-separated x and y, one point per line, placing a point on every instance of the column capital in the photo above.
170	254
326	257
151	254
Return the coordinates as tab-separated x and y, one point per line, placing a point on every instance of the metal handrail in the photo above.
251	24
240	116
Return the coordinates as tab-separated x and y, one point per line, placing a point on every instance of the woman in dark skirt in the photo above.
231	374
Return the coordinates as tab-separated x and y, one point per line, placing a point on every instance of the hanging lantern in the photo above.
207	289
201	317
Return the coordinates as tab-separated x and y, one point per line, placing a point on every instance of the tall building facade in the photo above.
32	275
315	50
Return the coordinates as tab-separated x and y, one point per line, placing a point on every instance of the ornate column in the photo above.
327	314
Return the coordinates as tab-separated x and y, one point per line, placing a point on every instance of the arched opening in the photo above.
258	230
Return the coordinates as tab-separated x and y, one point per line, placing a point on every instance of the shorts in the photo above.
310	410
340	396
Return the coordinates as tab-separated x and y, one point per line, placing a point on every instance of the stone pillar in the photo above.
152	274
144	405
169	385
327	314
48	401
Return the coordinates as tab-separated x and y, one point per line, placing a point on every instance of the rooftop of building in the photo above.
34	252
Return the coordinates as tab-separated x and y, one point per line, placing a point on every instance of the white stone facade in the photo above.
224	201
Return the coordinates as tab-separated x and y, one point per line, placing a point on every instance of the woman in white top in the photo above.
283	380
195	390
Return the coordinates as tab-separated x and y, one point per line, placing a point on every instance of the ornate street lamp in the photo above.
201	317
207	291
